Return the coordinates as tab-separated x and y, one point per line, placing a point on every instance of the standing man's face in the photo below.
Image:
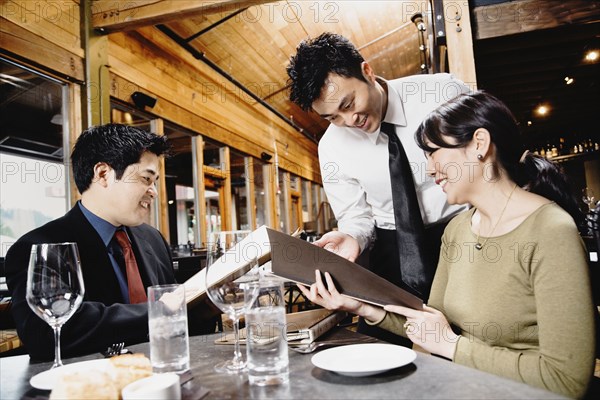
351	102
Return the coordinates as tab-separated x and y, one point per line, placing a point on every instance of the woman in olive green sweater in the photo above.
511	294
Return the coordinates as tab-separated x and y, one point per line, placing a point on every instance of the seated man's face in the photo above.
350	102
130	198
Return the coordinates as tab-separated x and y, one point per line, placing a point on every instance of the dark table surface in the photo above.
428	377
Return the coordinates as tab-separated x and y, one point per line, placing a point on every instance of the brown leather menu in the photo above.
296	260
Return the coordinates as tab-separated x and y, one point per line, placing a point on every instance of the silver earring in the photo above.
479	157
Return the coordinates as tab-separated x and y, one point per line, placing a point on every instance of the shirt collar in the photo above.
395	109
105	229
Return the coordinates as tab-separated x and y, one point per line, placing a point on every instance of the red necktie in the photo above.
137	292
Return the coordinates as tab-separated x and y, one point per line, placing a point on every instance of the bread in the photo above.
85	385
128	368
102	384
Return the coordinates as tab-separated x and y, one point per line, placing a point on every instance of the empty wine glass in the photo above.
54	286
232	282
588	198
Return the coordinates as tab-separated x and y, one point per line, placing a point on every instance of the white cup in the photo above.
168	329
266	345
159	387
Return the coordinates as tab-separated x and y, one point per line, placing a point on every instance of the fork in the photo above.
310	347
114	349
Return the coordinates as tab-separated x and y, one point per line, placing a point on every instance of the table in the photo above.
428	377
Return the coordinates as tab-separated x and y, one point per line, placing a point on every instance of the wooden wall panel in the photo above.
36	49
149	61
461	59
56	21
528	15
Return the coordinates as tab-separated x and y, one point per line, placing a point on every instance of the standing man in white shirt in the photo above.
329	76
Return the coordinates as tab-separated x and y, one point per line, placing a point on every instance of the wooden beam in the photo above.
461	58
214	172
36	49
529	15
110	16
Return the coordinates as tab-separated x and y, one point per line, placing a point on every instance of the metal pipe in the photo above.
200	56
214	25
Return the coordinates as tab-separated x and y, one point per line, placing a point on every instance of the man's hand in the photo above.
341	244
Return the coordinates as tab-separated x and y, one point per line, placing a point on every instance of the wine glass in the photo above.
588	198
54	286
232	283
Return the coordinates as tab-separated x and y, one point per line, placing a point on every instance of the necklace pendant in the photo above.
478	246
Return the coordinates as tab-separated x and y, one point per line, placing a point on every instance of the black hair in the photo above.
460	117
117	145
315	59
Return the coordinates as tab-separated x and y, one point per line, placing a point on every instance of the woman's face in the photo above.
454	170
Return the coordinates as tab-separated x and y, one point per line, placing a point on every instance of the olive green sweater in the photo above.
522	304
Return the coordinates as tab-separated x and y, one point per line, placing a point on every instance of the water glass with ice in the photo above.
266	344
167	323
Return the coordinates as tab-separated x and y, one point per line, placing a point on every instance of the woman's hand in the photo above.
328	297
429	329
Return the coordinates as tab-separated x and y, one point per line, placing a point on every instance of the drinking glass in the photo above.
232	282
588	198
54	286
266	340
168	329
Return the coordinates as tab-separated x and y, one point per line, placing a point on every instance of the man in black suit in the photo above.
115	168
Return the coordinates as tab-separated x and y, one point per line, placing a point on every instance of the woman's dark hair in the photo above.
315	59
460	117
117	145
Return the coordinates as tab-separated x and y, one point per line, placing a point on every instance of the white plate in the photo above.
363	359
47	379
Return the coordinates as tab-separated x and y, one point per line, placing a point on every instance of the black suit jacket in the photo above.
101	319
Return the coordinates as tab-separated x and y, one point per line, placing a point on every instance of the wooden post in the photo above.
307	188
71	131
199	195
157	127
250	191
270	195
96	96
286	194
226	220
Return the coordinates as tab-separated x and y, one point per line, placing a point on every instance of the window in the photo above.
179	169
34	177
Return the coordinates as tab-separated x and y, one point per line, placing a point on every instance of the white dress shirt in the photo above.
355	164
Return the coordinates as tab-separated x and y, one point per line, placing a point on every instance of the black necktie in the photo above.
415	269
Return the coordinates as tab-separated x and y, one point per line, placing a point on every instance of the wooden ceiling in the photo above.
251	41
253	45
